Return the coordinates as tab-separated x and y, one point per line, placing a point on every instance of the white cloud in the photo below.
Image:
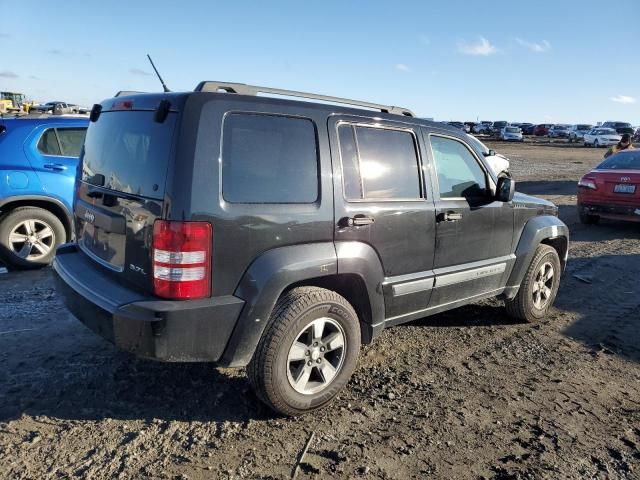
426	41
541	47
8	74
481	47
623	99
402	67
138	71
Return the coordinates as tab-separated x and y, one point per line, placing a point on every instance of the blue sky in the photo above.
557	61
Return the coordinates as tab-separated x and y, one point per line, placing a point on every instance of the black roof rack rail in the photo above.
126	93
244	89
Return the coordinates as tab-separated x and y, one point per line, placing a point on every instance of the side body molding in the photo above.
542	229
261	285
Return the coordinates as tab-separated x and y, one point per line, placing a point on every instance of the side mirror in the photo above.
505	189
490	153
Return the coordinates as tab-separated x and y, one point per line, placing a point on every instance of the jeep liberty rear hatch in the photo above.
121	188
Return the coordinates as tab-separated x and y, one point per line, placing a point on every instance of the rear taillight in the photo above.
181	259
586	182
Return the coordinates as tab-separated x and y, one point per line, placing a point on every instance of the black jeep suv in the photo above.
219	225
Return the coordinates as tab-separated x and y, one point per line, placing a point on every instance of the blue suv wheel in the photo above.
29	237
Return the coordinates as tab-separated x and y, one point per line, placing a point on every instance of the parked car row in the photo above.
59	108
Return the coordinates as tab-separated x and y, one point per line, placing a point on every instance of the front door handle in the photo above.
357	221
450	217
55	166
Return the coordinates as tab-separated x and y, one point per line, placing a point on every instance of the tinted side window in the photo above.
71	140
269	159
48	144
459	174
383	164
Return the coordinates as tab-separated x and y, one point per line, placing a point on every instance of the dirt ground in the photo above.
468	394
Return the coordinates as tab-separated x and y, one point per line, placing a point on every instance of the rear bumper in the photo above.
194	330
612	210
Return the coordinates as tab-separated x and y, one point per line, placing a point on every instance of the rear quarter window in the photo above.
48	143
71	140
269	159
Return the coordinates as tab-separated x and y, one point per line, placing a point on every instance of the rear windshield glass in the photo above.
131	150
622	161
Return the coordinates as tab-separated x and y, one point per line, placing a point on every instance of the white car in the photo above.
483	127
511	134
498	163
601	137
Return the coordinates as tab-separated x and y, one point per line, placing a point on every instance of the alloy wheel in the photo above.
543	286
32	239
316	356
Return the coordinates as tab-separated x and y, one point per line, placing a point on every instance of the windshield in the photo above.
584	127
622	161
499	124
606	131
513	129
622	125
131	150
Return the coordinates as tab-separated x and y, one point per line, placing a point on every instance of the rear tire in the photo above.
29	237
539	286
308	351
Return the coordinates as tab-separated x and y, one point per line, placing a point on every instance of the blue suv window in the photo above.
62	141
48	144
71	140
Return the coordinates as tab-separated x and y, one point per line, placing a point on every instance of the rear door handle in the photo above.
450	217
55	166
357	221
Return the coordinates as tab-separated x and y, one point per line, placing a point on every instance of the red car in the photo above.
542	130
612	189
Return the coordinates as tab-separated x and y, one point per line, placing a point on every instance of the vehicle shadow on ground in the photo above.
115	385
490	313
605	292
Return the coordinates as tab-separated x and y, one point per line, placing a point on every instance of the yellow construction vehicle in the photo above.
12	102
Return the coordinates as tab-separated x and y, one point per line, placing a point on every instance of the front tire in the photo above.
539	287
308	351
29	237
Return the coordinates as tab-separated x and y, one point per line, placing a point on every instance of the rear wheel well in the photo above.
353	289
52	207
560	244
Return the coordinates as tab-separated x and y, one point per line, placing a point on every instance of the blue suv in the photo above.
38	161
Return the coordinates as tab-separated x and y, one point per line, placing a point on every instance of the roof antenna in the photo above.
159	77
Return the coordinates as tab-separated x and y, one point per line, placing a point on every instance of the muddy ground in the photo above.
466	394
